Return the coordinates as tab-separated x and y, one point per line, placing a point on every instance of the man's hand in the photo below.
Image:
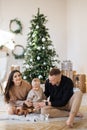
44	103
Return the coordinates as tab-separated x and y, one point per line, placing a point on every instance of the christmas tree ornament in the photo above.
43	47
24	77
38	58
27	66
38	48
43	39
40	76
31	60
44	63
37	27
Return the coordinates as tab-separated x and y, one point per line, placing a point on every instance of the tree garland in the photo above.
18	23
14	52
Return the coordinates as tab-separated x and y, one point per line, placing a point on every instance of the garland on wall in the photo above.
15	26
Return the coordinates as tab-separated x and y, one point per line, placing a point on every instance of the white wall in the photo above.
77	34
55	10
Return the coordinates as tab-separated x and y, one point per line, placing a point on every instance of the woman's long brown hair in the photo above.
9	85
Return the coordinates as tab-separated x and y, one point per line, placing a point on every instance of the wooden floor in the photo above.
80	124
31	126
57	125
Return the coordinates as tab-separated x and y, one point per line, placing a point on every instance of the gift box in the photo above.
80	82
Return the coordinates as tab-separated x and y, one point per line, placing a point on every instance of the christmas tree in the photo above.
40	54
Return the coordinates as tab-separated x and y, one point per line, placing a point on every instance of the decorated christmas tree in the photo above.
40	55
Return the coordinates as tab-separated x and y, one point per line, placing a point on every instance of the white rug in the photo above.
34	117
30	118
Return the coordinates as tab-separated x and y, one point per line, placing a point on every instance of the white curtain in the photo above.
3	66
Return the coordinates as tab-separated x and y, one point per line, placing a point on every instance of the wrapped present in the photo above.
67	65
80	82
68	73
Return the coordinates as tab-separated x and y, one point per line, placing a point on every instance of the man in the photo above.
63	101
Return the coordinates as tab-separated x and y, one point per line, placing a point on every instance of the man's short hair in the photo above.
54	71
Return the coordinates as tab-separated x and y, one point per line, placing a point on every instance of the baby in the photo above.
36	93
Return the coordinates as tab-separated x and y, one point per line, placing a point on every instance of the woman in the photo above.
16	92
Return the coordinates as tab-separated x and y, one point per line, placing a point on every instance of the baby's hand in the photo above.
28	103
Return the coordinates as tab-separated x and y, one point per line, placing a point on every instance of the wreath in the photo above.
18	52
1	47
15	26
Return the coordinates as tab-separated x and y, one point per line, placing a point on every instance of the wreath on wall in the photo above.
15	26
18	52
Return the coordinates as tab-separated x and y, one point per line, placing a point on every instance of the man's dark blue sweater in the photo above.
59	95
